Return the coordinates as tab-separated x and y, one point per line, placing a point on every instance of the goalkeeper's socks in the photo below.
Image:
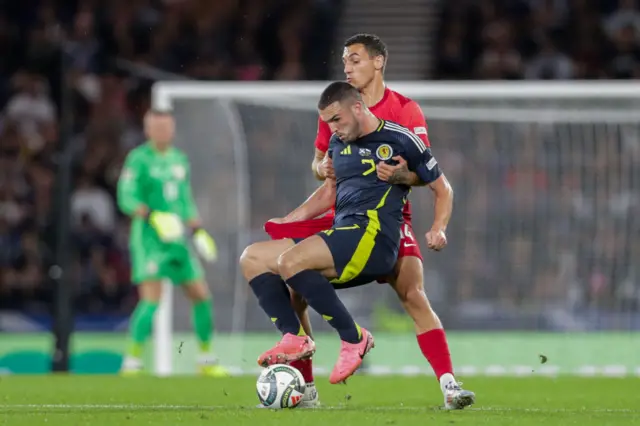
202	316
274	298
322	297
305	367
140	326
435	349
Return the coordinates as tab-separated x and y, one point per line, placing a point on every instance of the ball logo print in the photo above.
384	152
280	386
267	388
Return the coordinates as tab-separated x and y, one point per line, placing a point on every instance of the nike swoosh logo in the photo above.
364	351
409	245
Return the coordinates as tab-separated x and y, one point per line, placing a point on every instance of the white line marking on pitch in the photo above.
142	407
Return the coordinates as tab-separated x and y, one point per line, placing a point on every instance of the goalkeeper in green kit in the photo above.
154	190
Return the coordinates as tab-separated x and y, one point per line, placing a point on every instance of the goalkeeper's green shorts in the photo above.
155	261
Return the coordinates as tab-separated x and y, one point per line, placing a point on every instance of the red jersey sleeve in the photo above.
323	136
412	118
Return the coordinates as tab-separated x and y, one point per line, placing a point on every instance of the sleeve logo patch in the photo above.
384	152
420	130
431	163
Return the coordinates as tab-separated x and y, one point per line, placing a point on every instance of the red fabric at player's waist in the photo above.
302	229
406	212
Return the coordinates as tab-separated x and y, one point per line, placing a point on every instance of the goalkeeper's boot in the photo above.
350	359
456	398
289	348
131	366
209	366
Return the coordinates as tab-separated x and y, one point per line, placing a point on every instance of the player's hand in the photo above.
325	168
277	220
393	174
205	245
168	226
436	239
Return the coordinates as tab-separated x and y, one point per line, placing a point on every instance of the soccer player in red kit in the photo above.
365	57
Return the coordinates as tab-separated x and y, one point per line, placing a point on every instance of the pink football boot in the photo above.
350	359
289	348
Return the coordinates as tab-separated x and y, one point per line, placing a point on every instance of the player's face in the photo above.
360	68
342	120
160	129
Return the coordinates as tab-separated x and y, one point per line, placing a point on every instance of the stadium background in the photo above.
543	240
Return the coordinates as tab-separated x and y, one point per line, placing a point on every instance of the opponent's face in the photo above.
160	128
360	68
342	118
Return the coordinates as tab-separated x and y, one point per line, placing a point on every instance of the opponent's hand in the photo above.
325	168
436	239
205	245
277	220
169	226
394	174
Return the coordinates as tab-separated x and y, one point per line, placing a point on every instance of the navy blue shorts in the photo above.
362	252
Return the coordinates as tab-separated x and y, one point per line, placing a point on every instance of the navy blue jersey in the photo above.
359	191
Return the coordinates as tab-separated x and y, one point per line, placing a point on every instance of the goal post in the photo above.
541	170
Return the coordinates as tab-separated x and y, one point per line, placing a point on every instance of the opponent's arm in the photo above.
412	118
129	194
398	174
318	203
316	165
321	165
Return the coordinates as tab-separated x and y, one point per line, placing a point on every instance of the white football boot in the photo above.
456	398
310	398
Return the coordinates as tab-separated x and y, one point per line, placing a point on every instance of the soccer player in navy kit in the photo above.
361	246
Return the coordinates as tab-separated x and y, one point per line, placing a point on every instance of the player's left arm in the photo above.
424	164
412	118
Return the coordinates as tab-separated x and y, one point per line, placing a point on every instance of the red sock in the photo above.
305	366
435	349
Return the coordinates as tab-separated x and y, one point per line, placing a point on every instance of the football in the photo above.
280	386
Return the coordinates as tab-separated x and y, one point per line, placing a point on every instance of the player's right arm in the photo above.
423	163
129	193
321	164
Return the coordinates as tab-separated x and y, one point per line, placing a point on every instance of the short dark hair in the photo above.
374	45
338	91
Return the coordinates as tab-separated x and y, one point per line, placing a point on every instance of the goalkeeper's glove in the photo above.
205	245
168	226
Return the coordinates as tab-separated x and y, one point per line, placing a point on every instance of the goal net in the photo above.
544	242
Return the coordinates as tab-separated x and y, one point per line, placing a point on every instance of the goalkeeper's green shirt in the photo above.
158	180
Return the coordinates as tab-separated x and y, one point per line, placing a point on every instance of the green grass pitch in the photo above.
365	400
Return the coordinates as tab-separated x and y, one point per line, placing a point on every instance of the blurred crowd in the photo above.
100	49
97	48
539	39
